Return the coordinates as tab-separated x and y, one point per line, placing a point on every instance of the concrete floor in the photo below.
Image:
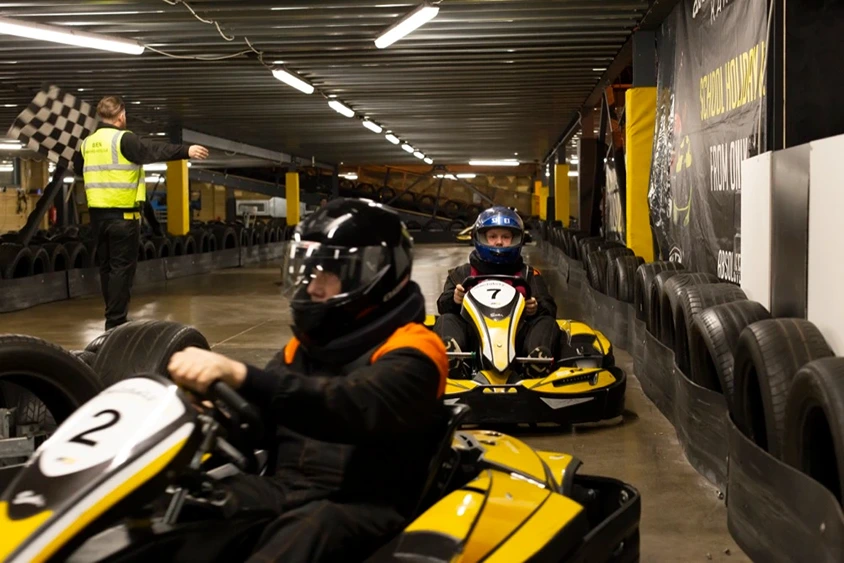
241	313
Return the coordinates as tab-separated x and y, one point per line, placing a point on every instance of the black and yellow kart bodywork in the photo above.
570	394
86	494
508	503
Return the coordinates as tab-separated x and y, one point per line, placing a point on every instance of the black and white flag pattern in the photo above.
54	124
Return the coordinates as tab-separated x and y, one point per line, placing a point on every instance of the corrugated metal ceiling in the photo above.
484	79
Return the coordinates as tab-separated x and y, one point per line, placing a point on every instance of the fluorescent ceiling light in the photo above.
419	155
392	138
160	134
467	175
428	160
446	176
10	105
407	148
506	162
293	80
158	167
7	168
574	160
341	109
573	174
29	30
599	69
415	19
10	146
374	127
350	176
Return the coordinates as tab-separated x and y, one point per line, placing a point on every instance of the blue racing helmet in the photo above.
498	218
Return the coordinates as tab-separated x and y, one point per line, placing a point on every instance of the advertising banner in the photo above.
710	117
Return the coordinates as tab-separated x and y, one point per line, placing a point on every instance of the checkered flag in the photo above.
55	124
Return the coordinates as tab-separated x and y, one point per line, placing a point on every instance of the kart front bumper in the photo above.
516	403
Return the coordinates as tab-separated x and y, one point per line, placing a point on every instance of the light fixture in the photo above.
573	173
372	126
407	148
574	160
136	103
7	167
446	176
392	138
505	162
158	167
10	146
293	80
428	160
467	175
153	179
29	30
10	105
161	134
350	176
415	19
599	69
419	155
342	109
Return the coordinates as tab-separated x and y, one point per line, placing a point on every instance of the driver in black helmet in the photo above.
355	394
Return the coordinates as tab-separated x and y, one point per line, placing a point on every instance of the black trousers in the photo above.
297	528
534	332
117	254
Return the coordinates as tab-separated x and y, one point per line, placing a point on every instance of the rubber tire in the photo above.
610	276
414	226
406	200
670	294
59	260
85	356
202	240
588	247
77	255
814	424
55	376
366	190
97	343
621	278
227	237
713	340
456	226
596	270
434	226
40	261
426	203
273	236
645	274
149	250
189	244
451	208
143	347
693	300
386	194
163	247
768	356
177	246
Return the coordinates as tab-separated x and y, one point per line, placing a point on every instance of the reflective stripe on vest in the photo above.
111	180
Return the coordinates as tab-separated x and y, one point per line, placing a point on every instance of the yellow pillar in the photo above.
542	199
178	197
641	113
291	192
562	206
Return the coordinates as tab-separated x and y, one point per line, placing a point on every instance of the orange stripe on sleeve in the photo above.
290	350
422	339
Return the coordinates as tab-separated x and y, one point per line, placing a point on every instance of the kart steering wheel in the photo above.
516	281
243	424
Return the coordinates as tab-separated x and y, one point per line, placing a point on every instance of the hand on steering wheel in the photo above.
531	306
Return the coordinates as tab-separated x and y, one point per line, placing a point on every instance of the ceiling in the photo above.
484	79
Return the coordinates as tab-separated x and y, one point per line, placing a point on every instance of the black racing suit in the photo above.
357	427
117	231
538	332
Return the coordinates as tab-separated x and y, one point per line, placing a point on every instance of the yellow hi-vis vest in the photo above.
111	180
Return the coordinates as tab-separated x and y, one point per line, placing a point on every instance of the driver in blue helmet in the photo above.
498	236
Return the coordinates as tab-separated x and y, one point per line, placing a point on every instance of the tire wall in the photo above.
775	511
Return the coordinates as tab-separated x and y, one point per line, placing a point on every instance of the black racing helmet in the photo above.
364	249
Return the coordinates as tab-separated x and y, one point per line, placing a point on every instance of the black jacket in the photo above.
546	306
139	150
361	431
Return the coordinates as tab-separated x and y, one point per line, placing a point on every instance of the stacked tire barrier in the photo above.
757	402
62	263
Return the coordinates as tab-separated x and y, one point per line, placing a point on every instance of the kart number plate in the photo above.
493	294
110	425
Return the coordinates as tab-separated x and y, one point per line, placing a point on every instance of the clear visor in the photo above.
317	273
499	237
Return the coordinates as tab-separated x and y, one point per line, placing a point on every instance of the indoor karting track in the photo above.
241	314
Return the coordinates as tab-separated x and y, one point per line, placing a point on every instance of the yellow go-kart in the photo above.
89	492
583	386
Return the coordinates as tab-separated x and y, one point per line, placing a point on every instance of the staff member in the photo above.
111	160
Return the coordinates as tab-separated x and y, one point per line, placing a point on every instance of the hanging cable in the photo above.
199	57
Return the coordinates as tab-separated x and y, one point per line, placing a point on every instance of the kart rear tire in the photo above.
596	270
768	356
713	340
645	274
143	347
814	424
669	295
622	282
53	375
692	301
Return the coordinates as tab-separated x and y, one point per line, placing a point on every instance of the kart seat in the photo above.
443	463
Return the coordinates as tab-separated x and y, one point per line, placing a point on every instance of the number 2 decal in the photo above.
494	291
81	439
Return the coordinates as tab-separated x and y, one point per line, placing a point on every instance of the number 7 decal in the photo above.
494	291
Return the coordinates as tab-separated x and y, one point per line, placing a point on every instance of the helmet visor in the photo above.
499	237
313	272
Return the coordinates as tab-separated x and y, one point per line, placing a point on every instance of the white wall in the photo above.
756	178
826	239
